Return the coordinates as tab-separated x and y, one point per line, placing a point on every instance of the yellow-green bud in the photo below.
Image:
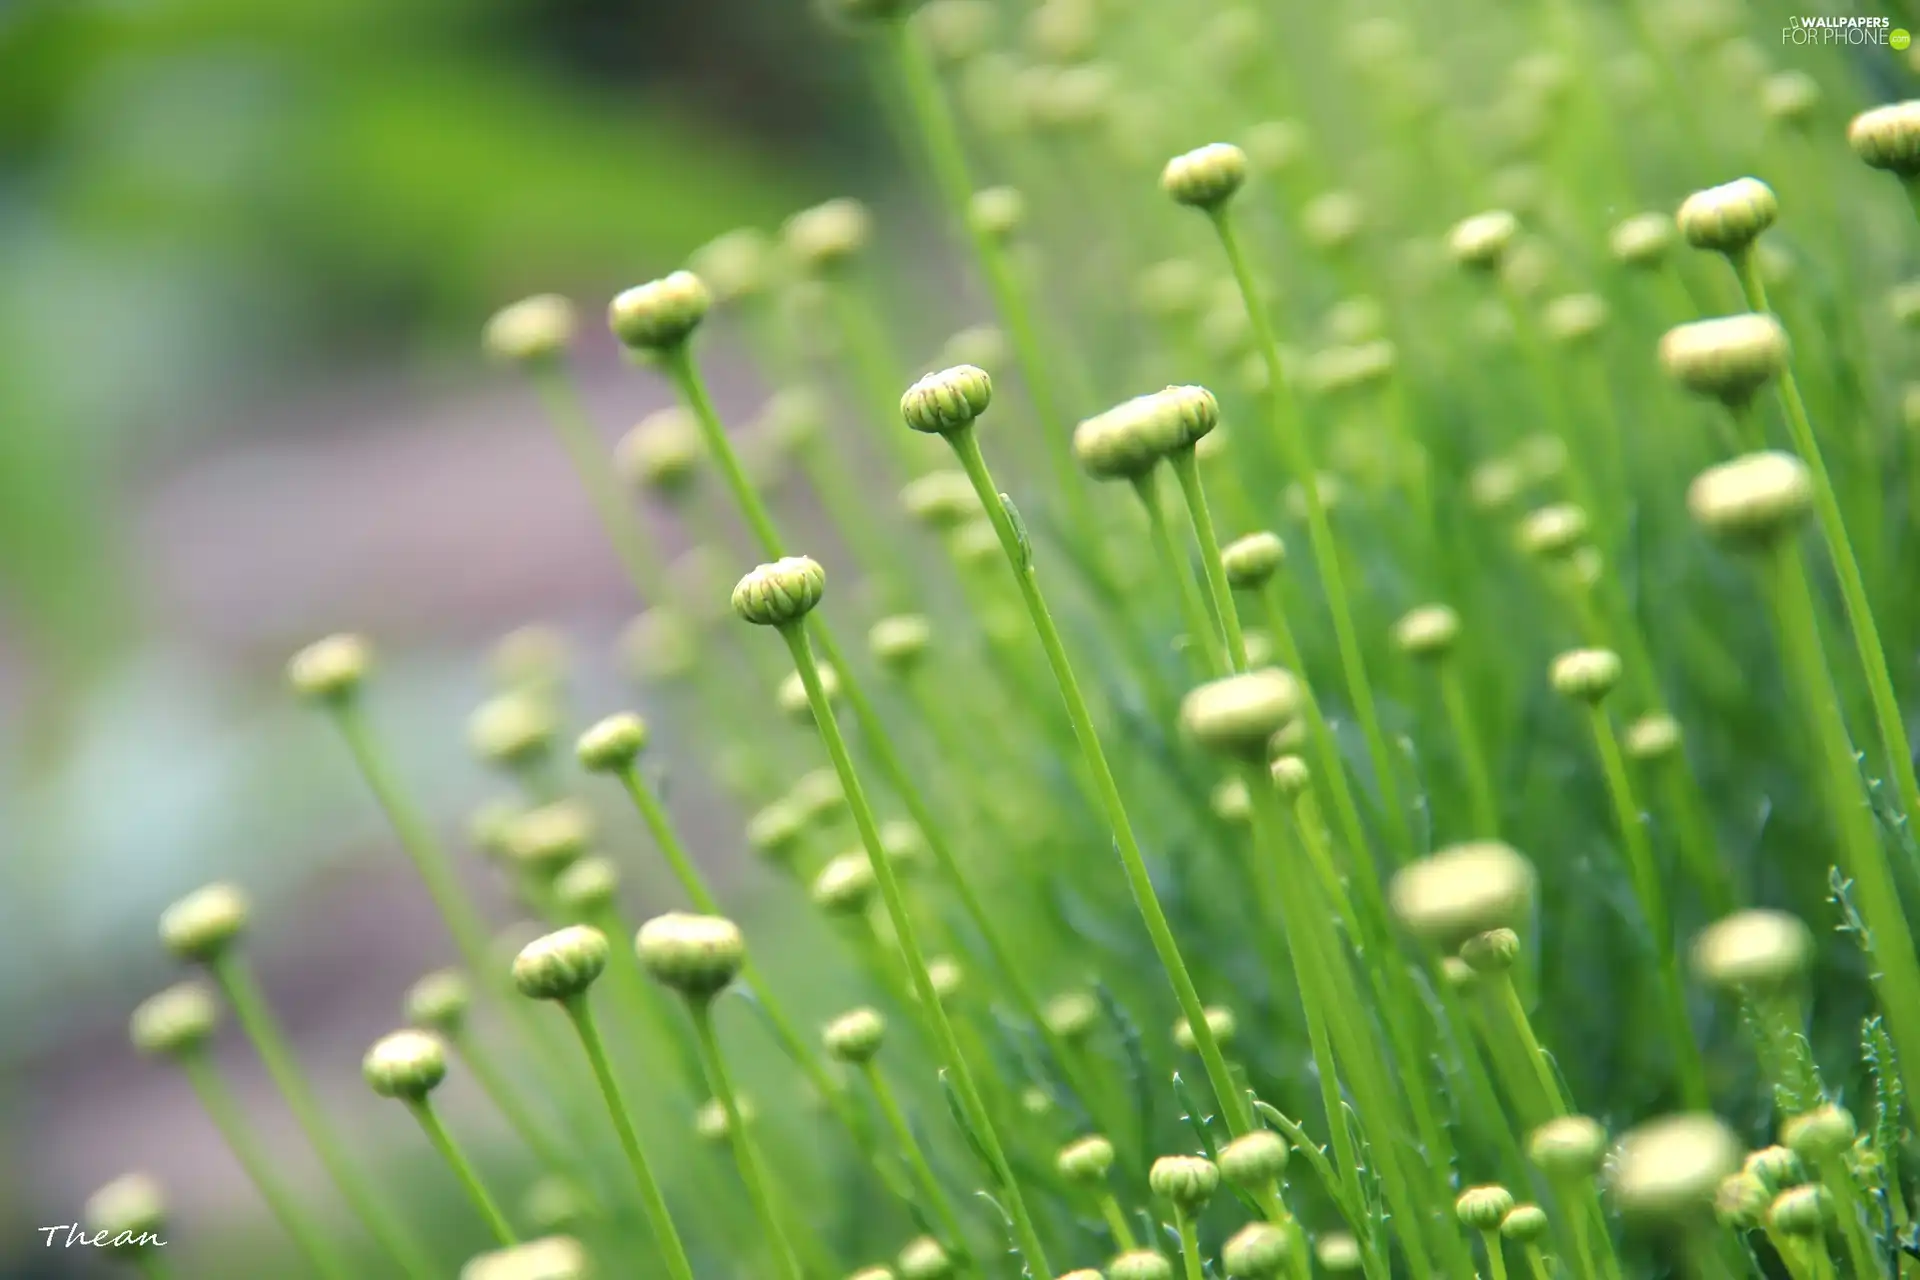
1206	177
880	1273
1729	217
1072	1015
1757	950
587	888
1524	1223
1496	483
900	642
1776	1168
1252	560
1231	801
1085	1161
1481	242
793	699
1254	1160
1457	973
1220	1021
712	1124
407	1064
781	593
1888	138
440	1001
923	1259
1740	1201
556	1203
1568	1147
1239	715
1491	952
947	976
550	838
1462	890
829	235
817	794
947	402
775	831
1753	499
1186	1181
127	1215
997	212
549	1258
661	314
845	886
1184	414
1140	1264
1256	1251
1348	368
612	743
534	330
1800	1211
1729	358
1641	240
1825	1133
1332	220
1653	736
1482	1208
983	345
1290	775
941	499
856	1036
175	1022
560	965
1274	146
957	30
330	670
735	264
1123	443
1337	1252
1790	97
201	926
1427	632
1553	532
1673	1166
696	955
512	730
1575	317
662	452
1585	675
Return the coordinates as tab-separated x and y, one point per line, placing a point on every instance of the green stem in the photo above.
1193	610
666	1235
1848	1208
219	1103
1233	1107
1473	757
508	1103
1548	1101
1117	1225
256	1021
1537	1263
1189	1243
1186	469
745	1154
960	1075
916	1157
561	398
1496	1259
462	1168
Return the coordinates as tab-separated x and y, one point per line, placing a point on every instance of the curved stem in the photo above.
1186	469
1117	1225
1200	630
916	1157
745	1153
1496	1259
462	1168
1189	1243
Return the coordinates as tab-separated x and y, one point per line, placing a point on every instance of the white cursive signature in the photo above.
99	1239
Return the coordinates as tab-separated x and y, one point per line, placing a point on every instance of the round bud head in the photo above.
1728	217
1457	973
534	330
957	30
829	235
904	844
1654	736
1220	1021
794	701
1183	415
1140	1264
980	344
556	1203
1332	220
1082	1273
1741	1201
202	925
1231	801
1187	1181
1819	1135
1254	1160
899	642
874	1273
712	1124
775	831
817	793
946	402
1585	675
176	1022
1753	499
1073	1015
1554	532
612	743
1524	1223
1642	240
1206	177
1753	951
947	976
1575	318
1483	1208
406	1064
1800	1211
1776	1168
1257	1250
1337	1253
856	1036
942	500
1496	483
660	314
1728	358
997	212
1291	776
1085	1161
1491	952
440	1001
1888	138
845	886
1123	443
330	670
560	965
1239	715
587	888
663	452
131	1211
1481	242
1462	890
1427	632
781	593
1251	560
550	838
735	264
1673	1166
695	955
1790	97
512	730
1274	146
548	1258
923	1259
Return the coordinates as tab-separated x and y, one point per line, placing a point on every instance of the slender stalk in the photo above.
462	1168
507	1101
1193	610
250	1010
1847	1208
1473	757
1496	1260
1117	1225
1189	1233
745	1153
916	1157
1186	469
1507	999
959	1074
561	399
219	1103
666	1235
1233	1106
1537	1263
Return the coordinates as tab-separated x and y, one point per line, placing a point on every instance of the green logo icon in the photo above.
1899	38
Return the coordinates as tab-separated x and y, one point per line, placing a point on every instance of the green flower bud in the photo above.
948	401
1254	1160
1753	951
1753	499
1274	146
1642	240
1186	1181
829	235
1231	802
735	264
1482	1208
1457	973
855	1037
1427	632
845	886
1291	776
1082	1273
900	642
663	452
781	593
942	500
1063	30
440	1001
1462	890
924	1259
712	1124
1206	177
556	1204
512	730
1568	1147
1555	532
1491	952
176	1022
560	965
817	795
1824	1133
1073	1015
587	888
549	1258
1524	1223
201	926
1740	1201
983	345
1673	1166
1085	1161
775	831
794	701
1776	1168
550	838
1337	1253
1181	415
1140	1264
876	1273
1654	736
695	955
1728	217
947	976
1575	318
612	743
407	1064
1251	560
1888	138
1790	97
1239	714
660	314
1220	1022
1123	443
1348	368
997	212
1480	243
1258	1250
1800	1211
1586	675
130	1212
536	330
957	30
1729	358
330	670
